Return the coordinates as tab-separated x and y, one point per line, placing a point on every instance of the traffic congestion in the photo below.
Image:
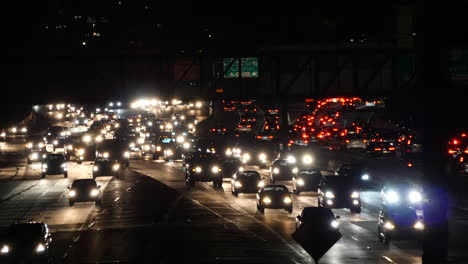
339	156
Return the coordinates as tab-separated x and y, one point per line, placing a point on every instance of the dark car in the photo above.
381	149
339	192
77	148
230	166
54	164
306	180
282	170
274	197
34	143
106	167
399	223
322	218
173	151
36	155
204	168
84	190
26	243
56	136
357	171
114	149
246	182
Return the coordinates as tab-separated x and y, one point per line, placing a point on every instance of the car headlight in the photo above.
131	145
94	192
228	152
95	168
105	155
87	138
169	152
267	200
295	170
186	145
24	130
147	147
180	139
261	184
329	195
141	141
158	148
70	147
34	156
64	166
307	159
419	225
55	142
246	157
276	171
29	145
44	166
287	200
190	126
5	250
198	169
262	157
335	224
3	134
414	197
116	167
355	195
365	177
81	151
389	226
72	193
98	139
215	169
40	145
300	182
126	154
392	196
241	169
238	184
291	159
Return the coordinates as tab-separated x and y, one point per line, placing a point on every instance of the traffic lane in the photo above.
28	197
360	231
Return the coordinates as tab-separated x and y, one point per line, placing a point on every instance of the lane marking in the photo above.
116	199
388	259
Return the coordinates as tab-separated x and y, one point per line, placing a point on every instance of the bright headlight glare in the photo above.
95	168
276	171
365	177
81	151
126	154
116	167
291	159
147	147
389	226
287	200
5	249
64	165
238	184
141	140
228	152
307	159
261	184
105	155
72	193
40	248
29	145
335	224
94	192
300	182
415	197
40	145
34	156
262	157
180	139
392	196
355	195
246	156
186	145
266	200
215	169
87	138
295	170
418	225
169	152
158	148
198	169
329	194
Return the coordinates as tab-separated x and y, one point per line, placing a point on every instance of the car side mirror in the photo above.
299	218
337	217
99	186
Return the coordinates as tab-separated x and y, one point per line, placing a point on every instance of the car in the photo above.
84	190
320	217
204	167
79	148
339	192
306	180
381	149
34	143
248	181
56	136
274	197
230	166
54	164
26	243
245	126
399	223
357	171
355	141
114	149
106	167
282	170
36	155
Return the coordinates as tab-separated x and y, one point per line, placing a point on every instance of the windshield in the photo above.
25	230
84	184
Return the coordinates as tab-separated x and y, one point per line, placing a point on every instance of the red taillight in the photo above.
305	136
455	142
451	151
213	129
364	141
342	134
335	129
306	141
320	136
259	136
224	129
463	135
347	141
328	134
240	125
377	149
462	159
249	126
270	137
466	151
410	164
391	148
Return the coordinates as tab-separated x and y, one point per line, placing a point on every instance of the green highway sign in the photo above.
249	67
